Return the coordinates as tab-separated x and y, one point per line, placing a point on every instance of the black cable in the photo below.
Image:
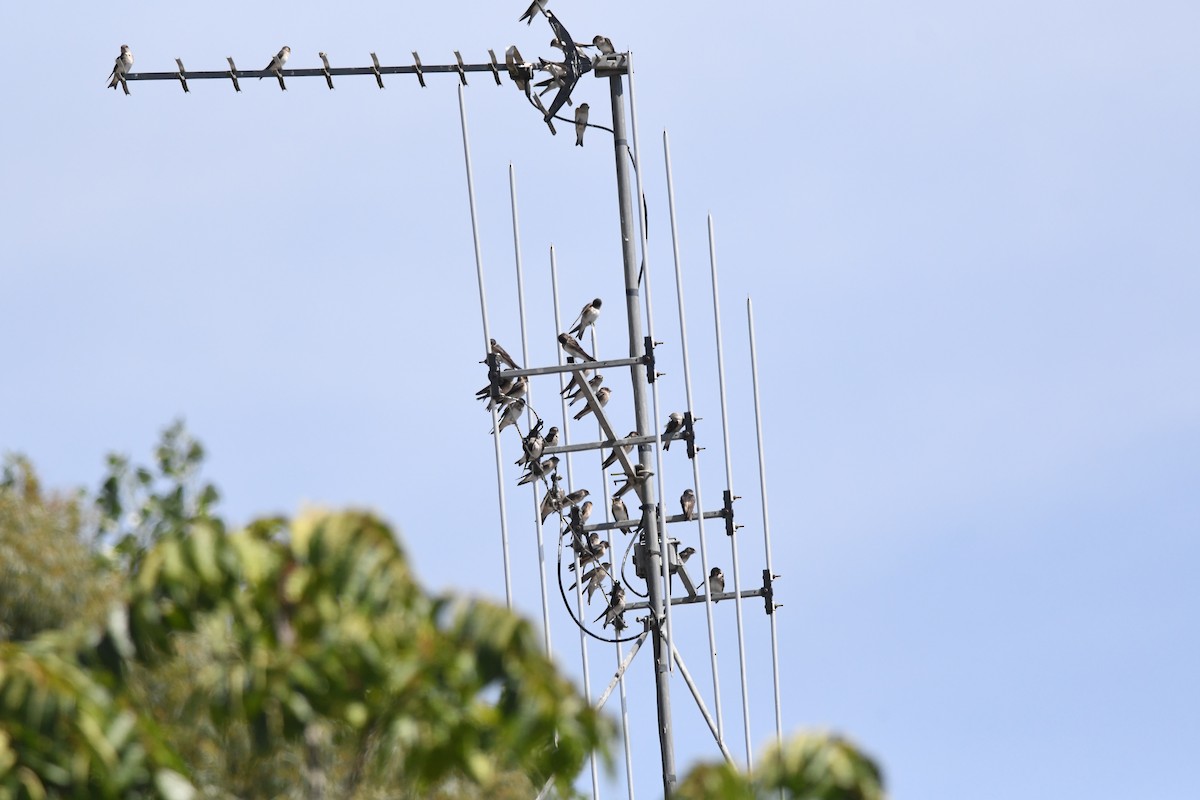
567	604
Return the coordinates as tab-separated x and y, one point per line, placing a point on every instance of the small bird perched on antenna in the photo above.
674	425
123	64
716	581
687	502
278	61
616	606
573	348
590	312
581	116
535	8
601	397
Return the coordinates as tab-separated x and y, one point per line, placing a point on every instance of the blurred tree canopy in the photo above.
148	651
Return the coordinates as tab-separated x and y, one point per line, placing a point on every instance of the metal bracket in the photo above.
493	362
689	433
233	70
648	360
769	590
727	513
462	73
182	79
417	66
495	66
328	77
375	70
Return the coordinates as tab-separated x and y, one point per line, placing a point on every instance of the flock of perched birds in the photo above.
573	508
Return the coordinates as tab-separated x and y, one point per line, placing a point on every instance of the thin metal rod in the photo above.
537	524
633	523
566	436
620	676
609	443
733	540
645	269
716	598
766	519
615	362
687	383
691	684
462	114
318	72
654	552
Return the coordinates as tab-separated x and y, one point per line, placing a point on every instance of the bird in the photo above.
575	497
538	470
688	501
581	116
532	445
517	68
514	392
502	386
603	44
716	581
594	383
123	64
601	397
501	353
640	473
553	501
590	555
593	577
573	385
616	606
585	511
685	554
511	414
591	311
619	512
612	457
674	425
552	436
278	61
572	347
535	8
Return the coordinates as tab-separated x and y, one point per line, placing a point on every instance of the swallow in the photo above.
595	543
518	69
616	606
502	386
685	554
674	425
553	501
601	397
581	115
593	577
278	61
603	44
535	8
552	436
557	79
640	473
612	457
619	512
585	511
575	497
716	581
514	392
594	383
539	470
590	555
561	45
687	501
590	312
511	414
532	445
122	65
501	353
573	385
572	347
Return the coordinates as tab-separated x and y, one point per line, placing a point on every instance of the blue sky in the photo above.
970	232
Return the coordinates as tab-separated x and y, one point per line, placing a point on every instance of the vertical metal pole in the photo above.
566	438
462	114
612	552
687	383
762	480
645	270
733	543
662	655
537	524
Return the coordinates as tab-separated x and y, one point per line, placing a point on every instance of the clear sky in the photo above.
971	232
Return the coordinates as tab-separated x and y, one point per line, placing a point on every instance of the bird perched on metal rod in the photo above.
594	383
674	425
572	347
612	457
511	414
603	44
590	554
640	473
590	312
539	470
593	578
501	353
601	398
616	606
575	497
573	385
687	501
532	445
581	117
619	512
123	64
552	436
514	392
502	386
553	501
278	61
716	581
